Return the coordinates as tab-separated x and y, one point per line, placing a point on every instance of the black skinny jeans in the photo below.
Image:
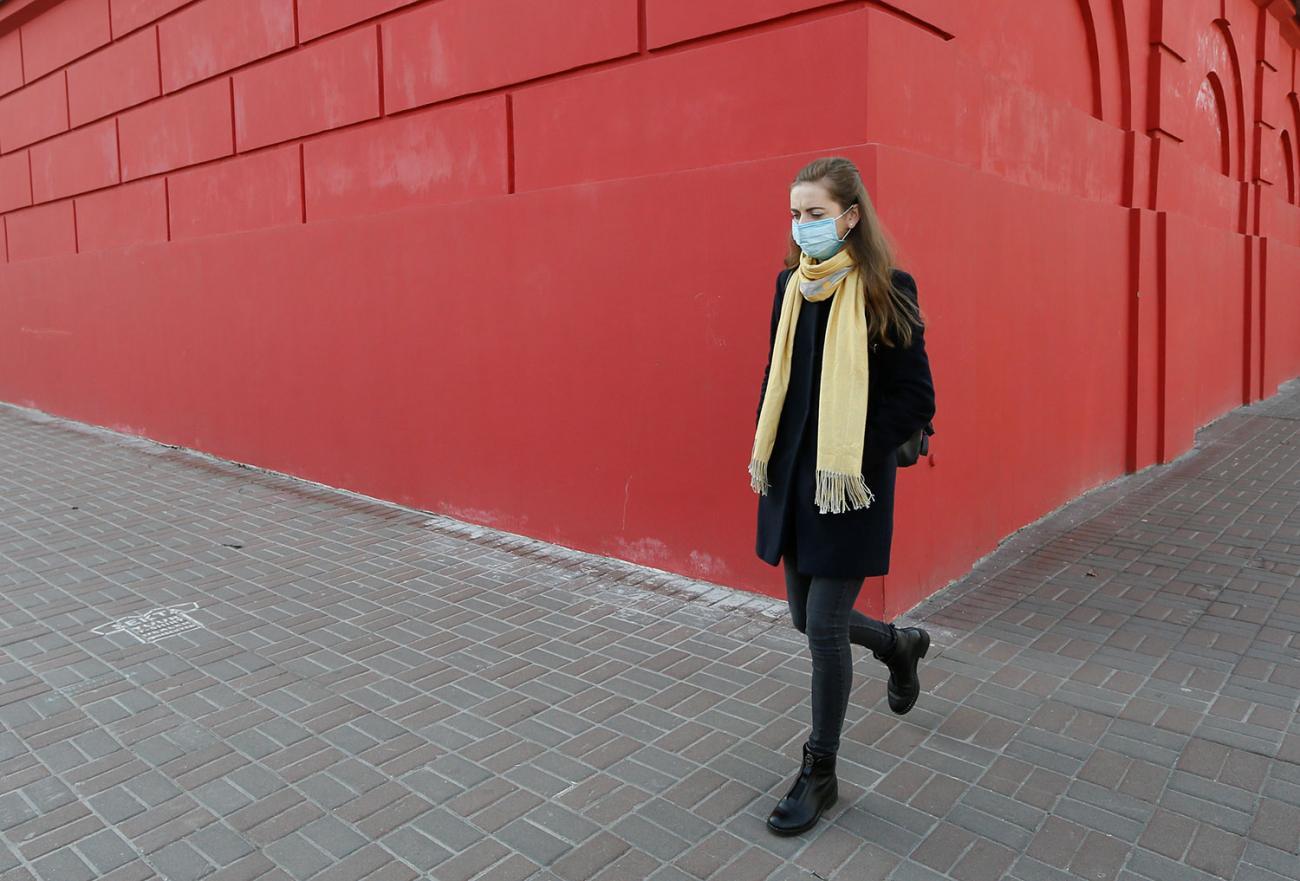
823	609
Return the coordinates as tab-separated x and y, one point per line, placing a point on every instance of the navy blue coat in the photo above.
900	400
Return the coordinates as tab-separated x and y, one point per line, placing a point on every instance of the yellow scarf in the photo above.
843	402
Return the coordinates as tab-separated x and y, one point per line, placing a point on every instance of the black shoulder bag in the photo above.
916	446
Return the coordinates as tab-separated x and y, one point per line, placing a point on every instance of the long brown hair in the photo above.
890	314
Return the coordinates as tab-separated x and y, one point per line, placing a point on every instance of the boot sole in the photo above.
804	828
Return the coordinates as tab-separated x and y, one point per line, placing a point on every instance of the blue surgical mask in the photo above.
817	238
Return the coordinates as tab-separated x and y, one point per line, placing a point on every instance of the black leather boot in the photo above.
814	791
910	646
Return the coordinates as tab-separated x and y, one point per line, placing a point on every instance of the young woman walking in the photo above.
847	382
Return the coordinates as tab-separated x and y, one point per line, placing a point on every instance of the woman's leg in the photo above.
796	594
816	788
871	634
830	600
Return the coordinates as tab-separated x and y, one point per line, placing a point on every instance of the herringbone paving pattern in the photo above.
332	688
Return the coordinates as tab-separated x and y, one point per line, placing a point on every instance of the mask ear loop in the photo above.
850	229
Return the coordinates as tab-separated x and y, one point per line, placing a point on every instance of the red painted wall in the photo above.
513	261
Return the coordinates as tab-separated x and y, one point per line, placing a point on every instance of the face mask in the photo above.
817	238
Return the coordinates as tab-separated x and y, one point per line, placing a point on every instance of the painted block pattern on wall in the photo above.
1100	204
81	160
192	126
436	155
115	78
11	62
455	47
319	17
43	231
213	36
15	181
325	85
707	106
247	192
35	111
65	32
127	15
134	214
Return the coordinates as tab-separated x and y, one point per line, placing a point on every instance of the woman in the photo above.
846	383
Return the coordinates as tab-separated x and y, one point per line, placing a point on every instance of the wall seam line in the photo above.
1263	315
510	142
234	144
794	19
1250	316
379	63
1133	353
302	179
1162	342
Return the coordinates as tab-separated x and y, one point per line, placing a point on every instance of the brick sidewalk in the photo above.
366	693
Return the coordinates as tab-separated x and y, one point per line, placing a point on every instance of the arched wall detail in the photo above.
1288	159
1094	57
1293	165
1125	66
1238	95
1211	92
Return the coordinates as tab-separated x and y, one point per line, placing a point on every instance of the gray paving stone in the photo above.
647	836
297	856
564	823
116	804
533	841
152	788
220	797
416	848
14	809
333	836
105	850
435	788
220	845
459	770
8	859
180	862
448	829
254	744
63	865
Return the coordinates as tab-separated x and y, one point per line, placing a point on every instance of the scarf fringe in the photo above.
758	477
837	493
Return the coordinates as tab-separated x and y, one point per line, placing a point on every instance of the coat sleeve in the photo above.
907	395
781	279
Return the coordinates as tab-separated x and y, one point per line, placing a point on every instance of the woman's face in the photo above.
812	201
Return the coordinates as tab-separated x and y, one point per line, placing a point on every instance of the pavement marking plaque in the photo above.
154	624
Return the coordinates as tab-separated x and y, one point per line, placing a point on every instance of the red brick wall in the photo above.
512	260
